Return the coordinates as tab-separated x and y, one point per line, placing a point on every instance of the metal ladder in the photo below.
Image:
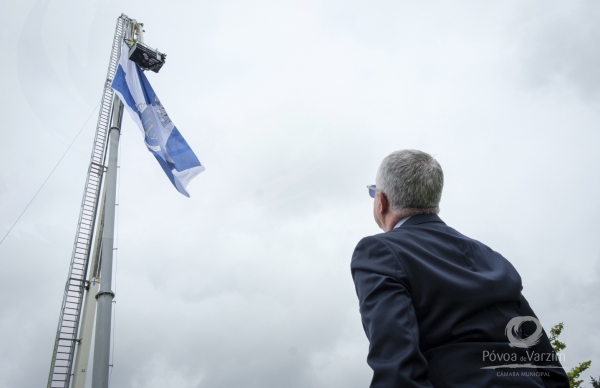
70	311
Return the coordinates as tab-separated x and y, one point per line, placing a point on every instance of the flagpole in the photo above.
105	297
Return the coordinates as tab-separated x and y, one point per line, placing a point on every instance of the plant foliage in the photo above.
575	372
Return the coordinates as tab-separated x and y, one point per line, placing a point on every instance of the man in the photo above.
439	308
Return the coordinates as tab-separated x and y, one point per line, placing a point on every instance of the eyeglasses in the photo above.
372	190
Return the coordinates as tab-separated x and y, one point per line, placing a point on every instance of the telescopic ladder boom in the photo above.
70	312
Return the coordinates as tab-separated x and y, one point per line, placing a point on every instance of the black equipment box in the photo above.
146	57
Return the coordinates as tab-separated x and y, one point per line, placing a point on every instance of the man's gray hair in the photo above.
412	181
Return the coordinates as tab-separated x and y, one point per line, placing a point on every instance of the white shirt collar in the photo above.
399	224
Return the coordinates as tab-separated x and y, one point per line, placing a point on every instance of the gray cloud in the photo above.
559	46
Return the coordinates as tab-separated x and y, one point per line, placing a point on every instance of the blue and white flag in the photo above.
160	134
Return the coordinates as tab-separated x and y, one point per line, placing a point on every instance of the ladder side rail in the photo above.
66	335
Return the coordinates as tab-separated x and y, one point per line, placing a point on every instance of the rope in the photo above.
48	177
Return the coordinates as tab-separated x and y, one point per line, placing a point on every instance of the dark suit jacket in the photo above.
433	301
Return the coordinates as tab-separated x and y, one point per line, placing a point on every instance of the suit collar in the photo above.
422	219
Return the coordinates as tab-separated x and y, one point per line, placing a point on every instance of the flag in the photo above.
161	136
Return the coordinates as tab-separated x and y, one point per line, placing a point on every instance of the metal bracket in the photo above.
105	293
101	166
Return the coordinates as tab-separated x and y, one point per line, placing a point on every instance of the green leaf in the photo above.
576	372
554	333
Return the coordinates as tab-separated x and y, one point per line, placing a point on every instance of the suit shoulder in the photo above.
370	241
372	249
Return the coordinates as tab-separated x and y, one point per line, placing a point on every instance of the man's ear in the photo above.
383	203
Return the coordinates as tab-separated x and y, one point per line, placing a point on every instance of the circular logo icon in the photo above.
513	329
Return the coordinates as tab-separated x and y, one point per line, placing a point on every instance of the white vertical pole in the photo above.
87	326
80	369
105	297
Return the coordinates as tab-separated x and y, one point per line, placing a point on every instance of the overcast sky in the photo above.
291	105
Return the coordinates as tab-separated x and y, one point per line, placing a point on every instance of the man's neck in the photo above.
392	219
